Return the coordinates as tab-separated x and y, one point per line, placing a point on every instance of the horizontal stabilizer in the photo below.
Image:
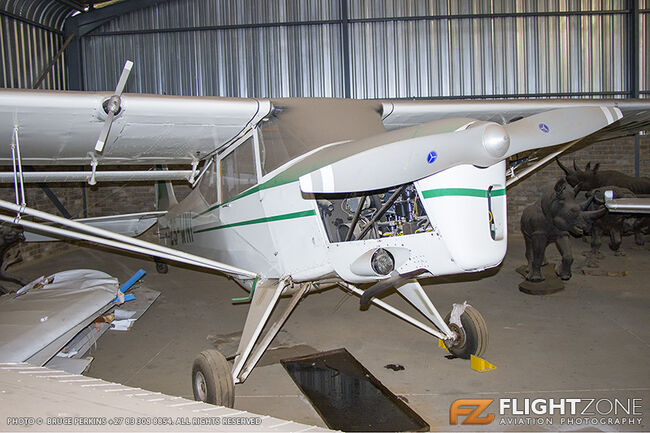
128	225
84	232
409	154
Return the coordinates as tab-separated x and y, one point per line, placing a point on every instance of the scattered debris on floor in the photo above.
129	312
603	273
55	320
120	318
394	367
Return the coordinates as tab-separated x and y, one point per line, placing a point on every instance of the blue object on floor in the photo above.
127	285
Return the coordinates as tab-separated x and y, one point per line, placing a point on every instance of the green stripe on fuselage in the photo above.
466	192
281	180
271	183
288	216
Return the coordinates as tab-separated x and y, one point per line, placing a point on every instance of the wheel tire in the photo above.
162	268
212	380
473	335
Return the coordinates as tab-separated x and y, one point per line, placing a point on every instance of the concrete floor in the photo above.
590	341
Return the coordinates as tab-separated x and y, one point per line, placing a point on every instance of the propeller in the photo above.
406	155
113	106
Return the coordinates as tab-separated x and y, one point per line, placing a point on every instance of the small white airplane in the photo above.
294	195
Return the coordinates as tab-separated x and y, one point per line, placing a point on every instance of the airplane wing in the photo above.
636	118
401	114
61	128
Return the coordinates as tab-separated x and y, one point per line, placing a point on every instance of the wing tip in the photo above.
612	114
618	113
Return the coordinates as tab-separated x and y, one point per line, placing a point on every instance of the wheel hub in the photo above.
460	339
200	385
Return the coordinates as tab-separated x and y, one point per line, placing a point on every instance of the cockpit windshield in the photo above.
291	131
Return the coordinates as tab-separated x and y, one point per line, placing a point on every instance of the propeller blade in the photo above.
388	160
103	135
410	154
125	76
558	126
113	107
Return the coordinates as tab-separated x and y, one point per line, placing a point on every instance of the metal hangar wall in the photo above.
374	48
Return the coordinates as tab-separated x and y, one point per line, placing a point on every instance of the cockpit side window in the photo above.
278	144
273	151
208	184
238	171
291	131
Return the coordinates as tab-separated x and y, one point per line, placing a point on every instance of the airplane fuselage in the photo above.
276	230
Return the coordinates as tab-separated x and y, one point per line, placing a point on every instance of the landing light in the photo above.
382	262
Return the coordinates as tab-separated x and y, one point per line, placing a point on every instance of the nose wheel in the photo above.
212	380
472	336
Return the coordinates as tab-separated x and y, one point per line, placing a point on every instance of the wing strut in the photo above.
114	240
19	181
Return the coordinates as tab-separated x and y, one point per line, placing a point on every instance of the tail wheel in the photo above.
472	337
212	380
161	267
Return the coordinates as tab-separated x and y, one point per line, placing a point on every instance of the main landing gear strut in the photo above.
463	332
213	379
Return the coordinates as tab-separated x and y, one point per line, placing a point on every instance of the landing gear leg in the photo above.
464	331
252	344
212	377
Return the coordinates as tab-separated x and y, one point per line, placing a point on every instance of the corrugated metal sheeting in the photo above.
336	48
396	48
31	32
269	61
222	47
504	55
201	13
